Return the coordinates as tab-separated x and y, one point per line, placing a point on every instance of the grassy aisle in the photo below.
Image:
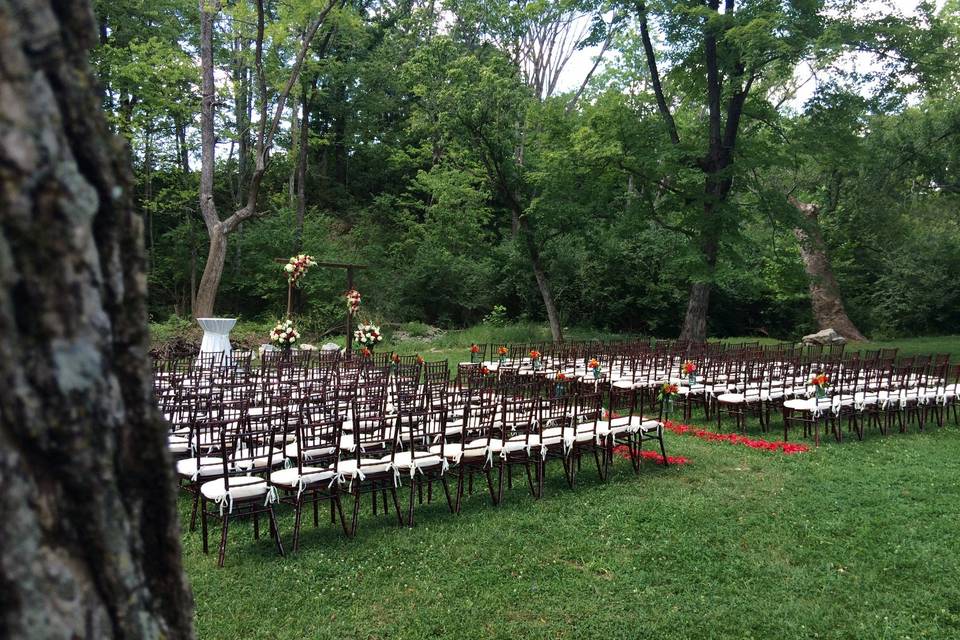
858	540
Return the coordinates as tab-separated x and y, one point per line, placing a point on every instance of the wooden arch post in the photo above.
351	271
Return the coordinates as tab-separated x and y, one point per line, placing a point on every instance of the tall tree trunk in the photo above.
267	127
539	273
825	297
89	537
212	272
302	155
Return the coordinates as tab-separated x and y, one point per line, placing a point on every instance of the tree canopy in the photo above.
452	147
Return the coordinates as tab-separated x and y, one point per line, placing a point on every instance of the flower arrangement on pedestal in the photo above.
820	384
353	301
535	359
668	392
594	367
297	267
560	380
284	334
689	369
367	336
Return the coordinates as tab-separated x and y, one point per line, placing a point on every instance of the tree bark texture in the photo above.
89	537
825	297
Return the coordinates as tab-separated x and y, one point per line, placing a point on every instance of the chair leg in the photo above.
663	451
415	489
223	539
460	489
203	525
356	512
193	512
276	529
541	476
343	521
256	525
503	467
297	514
446	492
396	505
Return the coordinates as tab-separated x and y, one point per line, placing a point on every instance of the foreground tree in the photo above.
89	539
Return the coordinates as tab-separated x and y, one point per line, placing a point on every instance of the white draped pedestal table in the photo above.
216	335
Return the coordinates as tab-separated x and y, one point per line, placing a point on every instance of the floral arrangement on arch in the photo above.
284	334
297	266
353	301
367	336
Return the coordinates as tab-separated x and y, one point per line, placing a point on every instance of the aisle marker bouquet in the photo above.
502	352
820	384
689	369
667	394
535	359
284	334
474	350
594	366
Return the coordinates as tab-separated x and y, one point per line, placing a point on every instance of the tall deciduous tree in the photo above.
89	541
269	122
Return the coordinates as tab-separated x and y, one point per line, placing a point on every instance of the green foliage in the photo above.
426	151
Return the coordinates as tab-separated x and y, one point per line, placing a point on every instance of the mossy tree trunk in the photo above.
89	538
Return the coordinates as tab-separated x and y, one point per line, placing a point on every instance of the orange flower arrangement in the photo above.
419	359
366	353
668	390
474	348
534	354
484	370
502	351
688	368
820	380
396	358
561	376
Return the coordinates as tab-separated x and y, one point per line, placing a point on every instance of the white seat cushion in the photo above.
259	458
522	443
809	404
731	398
626	424
473	449
406	460
241	487
292	478
209	466
178	444
348	468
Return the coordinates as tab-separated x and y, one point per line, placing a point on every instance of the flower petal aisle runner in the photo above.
734	438
648	454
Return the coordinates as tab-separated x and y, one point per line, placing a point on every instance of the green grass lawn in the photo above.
853	540
858	540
